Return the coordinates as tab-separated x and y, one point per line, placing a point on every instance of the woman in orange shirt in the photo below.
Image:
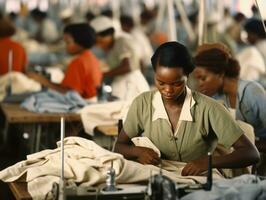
83	74
19	60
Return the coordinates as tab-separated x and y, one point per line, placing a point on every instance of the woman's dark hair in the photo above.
172	55
232	69
89	16
127	20
255	26
214	60
38	13
217	59
82	33
6	28
238	17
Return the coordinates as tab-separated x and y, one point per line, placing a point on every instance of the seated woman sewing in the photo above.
183	124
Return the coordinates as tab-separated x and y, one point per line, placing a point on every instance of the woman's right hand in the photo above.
147	156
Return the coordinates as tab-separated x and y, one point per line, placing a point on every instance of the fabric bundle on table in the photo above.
20	84
54	102
86	164
107	113
245	187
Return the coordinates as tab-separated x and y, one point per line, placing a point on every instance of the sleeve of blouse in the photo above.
133	124
223	124
74	77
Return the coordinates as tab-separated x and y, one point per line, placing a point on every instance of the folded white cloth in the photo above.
103	114
252	64
145	142
128	86
20	84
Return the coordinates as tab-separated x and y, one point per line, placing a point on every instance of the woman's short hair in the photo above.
232	69
38	13
255	26
217	58
6	28
172	55
82	33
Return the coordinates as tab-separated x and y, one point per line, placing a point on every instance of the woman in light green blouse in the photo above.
184	125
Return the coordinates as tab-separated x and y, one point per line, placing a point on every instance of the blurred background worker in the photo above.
122	59
83	74
10	49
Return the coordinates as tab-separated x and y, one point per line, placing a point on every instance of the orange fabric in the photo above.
19	56
159	38
83	74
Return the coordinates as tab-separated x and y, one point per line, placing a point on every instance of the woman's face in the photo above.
170	82
105	42
71	46
208	82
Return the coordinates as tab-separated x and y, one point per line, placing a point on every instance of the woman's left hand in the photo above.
195	167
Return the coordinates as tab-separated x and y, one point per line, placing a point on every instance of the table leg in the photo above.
5	132
38	135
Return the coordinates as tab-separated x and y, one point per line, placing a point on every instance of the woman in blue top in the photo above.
217	75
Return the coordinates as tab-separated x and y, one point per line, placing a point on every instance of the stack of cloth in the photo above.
54	102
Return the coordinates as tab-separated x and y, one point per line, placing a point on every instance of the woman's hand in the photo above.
147	156
195	167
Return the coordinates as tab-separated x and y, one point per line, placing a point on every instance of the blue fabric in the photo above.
54	102
43	59
239	188
251	105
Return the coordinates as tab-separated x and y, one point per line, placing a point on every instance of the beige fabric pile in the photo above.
86	164
107	113
20	84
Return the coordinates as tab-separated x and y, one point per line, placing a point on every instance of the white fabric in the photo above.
261	46
232	112
20	84
103	114
130	85
66	13
247	128
101	23
86	163
220	150
251	63
145	142
144	46
57	75
49	31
